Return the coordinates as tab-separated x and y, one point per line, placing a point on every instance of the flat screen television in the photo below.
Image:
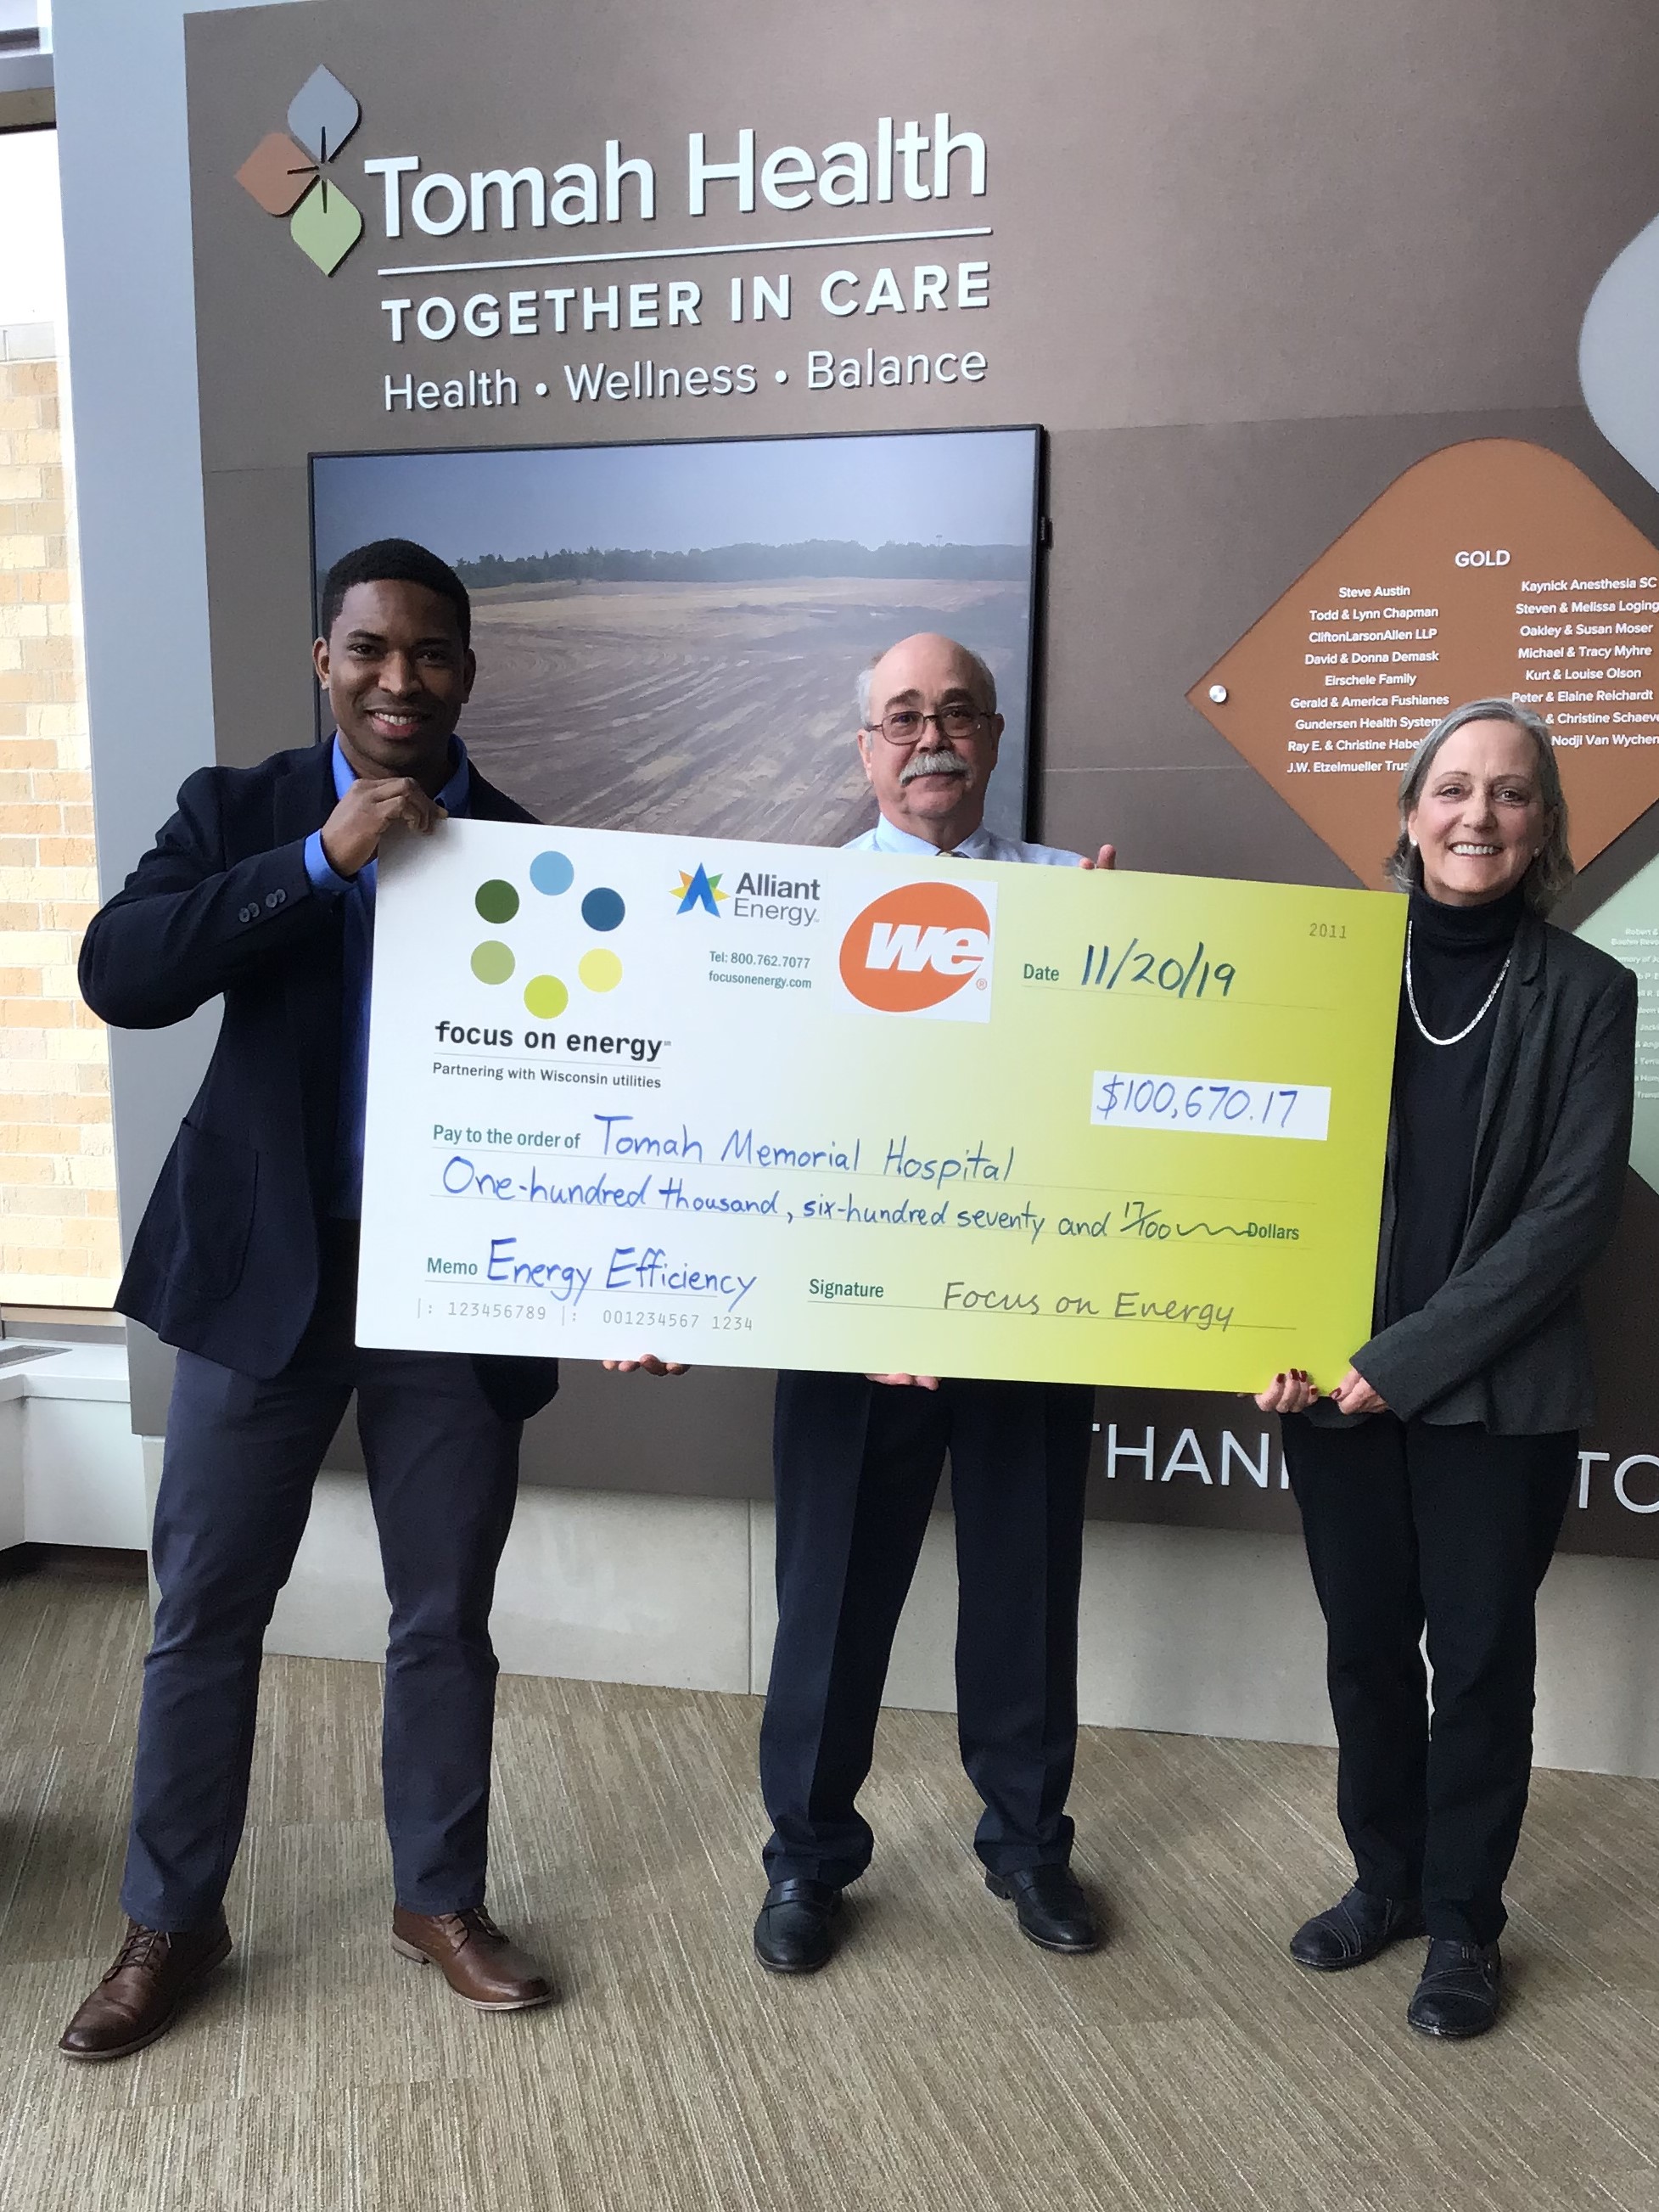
669	635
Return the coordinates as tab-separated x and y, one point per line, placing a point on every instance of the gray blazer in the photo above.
1503	1341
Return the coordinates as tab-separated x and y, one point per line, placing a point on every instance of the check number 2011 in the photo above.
1211	1106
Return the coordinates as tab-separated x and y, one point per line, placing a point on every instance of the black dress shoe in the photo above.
1457	1997
1355	1930
795	1932
1051	1908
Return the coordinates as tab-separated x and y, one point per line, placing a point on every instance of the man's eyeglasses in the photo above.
905	725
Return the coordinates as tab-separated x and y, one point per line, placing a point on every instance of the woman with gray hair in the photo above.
1433	1478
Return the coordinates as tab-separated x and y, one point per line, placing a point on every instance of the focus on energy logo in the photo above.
923	948
286	171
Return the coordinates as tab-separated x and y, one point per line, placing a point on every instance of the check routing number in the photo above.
767	1105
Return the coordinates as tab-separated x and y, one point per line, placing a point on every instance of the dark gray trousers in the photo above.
856	1466
241	1458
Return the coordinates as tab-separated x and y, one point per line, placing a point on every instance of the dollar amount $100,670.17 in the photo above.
1211	1106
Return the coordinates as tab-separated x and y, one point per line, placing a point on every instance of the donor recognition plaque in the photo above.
1494	569
764	1105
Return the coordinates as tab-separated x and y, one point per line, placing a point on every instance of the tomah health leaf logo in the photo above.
286	171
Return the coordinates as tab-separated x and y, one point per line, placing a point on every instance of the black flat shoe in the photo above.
1457	1997
1050	1906
1354	1930
795	1932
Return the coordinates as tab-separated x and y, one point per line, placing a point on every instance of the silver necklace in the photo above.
1427	1035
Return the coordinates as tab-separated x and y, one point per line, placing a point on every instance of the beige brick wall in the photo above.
59	1244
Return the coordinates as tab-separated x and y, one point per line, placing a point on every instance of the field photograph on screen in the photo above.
669	635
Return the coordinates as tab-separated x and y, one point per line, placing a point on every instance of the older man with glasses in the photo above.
857	1459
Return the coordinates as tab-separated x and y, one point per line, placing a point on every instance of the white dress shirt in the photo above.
982	844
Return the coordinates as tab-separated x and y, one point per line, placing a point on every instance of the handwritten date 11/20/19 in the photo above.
1132	966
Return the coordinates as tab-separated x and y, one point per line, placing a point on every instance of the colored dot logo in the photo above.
601	970
551	874
603	911
496	902
492	963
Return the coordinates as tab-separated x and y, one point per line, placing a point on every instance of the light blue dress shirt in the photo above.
982	845
346	1202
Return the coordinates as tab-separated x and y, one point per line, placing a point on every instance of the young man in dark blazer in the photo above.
260	890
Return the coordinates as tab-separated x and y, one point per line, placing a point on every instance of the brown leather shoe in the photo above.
140	1998
473	1956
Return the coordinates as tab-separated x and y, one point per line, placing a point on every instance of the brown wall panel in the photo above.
1248	264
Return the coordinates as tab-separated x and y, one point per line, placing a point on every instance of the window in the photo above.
59	1242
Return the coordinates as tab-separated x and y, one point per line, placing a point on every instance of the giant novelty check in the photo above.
767	1105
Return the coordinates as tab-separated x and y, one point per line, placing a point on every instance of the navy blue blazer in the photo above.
225	1263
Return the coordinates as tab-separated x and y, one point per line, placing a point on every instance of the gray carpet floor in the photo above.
941	2063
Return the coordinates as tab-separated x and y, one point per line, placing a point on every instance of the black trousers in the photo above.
1409	1526
240	1462
857	1466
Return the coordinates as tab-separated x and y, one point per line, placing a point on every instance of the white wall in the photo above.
1197	1631
72	1471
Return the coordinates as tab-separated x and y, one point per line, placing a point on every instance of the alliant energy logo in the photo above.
790	900
699	889
923	948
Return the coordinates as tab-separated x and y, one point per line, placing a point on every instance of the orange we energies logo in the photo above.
923	948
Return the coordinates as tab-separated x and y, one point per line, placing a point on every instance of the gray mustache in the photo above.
933	764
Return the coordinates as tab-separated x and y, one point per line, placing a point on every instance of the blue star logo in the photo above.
701	890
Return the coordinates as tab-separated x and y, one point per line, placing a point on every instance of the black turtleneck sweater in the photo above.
1457	953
